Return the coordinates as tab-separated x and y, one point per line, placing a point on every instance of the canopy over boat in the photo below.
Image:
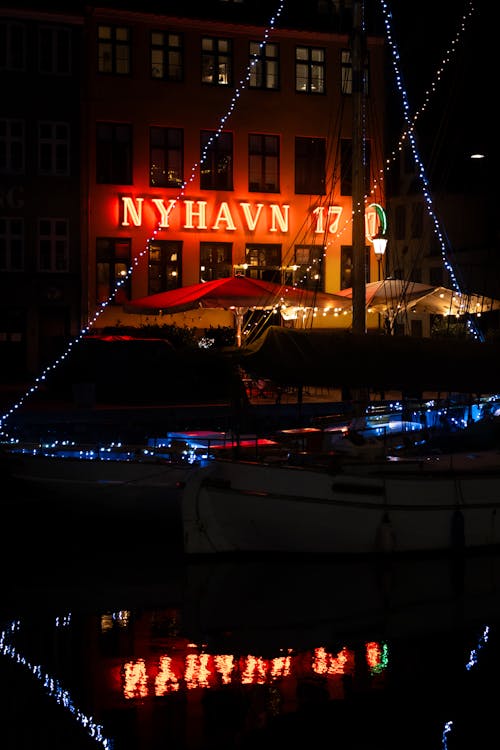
335	358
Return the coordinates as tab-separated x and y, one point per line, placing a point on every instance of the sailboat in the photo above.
377	504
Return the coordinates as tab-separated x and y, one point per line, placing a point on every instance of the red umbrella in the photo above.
239	294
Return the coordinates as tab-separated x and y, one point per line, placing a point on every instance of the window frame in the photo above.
117	47
169	270
260	161
9	238
310	166
170	154
220	267
216	62
310	74
167	50
213	151
263	58
110	154
52	245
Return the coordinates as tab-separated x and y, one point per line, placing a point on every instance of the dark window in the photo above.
54	50
216	61
112	266
114	153
263	163
12	146
264	70
11	244
215	260
53	148
263	262
308	267
310	70
346	73
216	161
346	166
53	245
113	50
166	157
164	266
166	56
346	266
12	46
310	166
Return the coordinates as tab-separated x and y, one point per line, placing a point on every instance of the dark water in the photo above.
110	639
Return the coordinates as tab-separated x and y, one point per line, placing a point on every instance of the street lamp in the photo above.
379	245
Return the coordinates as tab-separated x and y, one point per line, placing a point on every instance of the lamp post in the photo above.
379	245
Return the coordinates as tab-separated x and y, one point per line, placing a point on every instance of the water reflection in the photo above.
248	655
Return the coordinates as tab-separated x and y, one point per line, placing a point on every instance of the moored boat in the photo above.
424	504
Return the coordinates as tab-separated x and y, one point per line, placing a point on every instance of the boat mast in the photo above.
358	174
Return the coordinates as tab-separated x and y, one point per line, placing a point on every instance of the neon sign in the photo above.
199	215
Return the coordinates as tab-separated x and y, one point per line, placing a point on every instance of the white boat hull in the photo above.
100	485
428	506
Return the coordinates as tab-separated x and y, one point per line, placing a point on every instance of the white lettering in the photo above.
130	208
164	212
247	213
224	215
279	217
335	211
201	214
324	218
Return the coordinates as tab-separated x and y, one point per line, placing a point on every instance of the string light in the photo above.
239	89
419	163
472	662
52	687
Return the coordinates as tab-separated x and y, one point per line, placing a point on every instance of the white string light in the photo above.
472	662
239	89
52	687
387	15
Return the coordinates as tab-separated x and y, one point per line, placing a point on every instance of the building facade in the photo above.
198	145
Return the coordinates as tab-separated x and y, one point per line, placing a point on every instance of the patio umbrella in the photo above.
239	294
391	296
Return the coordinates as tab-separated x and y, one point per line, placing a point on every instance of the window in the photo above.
54	50
12	147
113	50
263	262
166	157
164	266
216	161
216	61
112	265
53	248
215	260
264	71
263	163
346	166
308	267
310	166
310	70
346	266
53	148
12	46
11	244
166	56
114	154
346	83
